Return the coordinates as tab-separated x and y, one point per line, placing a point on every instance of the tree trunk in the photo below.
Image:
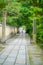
18	30
34	31
3	27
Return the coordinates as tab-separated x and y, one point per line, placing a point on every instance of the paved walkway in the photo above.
35	54
16	52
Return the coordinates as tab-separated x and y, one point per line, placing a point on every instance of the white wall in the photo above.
9	31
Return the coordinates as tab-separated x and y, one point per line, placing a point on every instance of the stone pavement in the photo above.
19	51
35	54
14	52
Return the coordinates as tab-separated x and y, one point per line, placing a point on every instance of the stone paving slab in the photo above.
19	64
35	54
21	56
27	57
10	43
9	61
37	61
6	53
22	52
1	60
28	61
6	57
34	50
20	61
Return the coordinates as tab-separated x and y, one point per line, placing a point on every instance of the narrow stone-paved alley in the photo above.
19	51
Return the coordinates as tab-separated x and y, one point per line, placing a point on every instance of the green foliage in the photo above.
40	30
3	3
22	13
12	21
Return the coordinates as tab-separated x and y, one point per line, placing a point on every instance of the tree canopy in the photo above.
23	12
